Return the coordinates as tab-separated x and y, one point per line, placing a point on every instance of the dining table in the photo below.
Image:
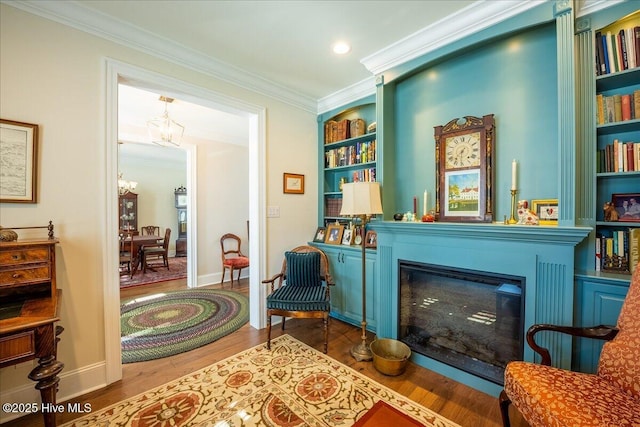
137	242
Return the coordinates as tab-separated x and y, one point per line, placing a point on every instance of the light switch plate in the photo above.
273	211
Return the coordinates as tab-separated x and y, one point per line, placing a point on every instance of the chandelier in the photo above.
164	130
125	186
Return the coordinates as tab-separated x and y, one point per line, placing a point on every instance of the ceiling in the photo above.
284	42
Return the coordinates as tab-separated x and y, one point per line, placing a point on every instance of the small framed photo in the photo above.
320	234
19	160
347	236
546	210
333	235
371	240
293	183
628	206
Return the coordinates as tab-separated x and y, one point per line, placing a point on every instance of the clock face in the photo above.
462	151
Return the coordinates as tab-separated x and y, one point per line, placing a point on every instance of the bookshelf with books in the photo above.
617	145
348	153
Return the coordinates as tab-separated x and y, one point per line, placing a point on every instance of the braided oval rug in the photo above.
164	324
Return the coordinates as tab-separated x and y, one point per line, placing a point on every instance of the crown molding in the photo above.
587	7
73	14
349	94
472	19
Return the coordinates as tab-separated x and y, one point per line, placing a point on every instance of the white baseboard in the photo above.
72	384
214	278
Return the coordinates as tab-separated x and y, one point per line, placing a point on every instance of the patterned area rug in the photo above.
165	324
293	385
177	270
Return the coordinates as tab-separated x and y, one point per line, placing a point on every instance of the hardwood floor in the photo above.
459	403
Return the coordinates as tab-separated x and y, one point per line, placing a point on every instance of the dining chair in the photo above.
126	254
150	230
232	256
302	289
159	251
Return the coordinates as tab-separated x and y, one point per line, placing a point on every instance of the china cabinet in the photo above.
128	211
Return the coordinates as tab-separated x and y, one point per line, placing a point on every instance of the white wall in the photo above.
54	76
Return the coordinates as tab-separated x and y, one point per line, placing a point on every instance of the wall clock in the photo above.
464	169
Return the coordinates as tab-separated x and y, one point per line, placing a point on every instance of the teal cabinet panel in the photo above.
600	301
346	296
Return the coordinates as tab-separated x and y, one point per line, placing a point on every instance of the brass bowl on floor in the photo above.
390	356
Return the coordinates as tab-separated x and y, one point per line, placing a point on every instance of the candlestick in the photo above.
513	220
415	205
424	203
514	166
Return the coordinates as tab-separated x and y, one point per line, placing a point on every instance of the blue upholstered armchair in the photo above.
302	289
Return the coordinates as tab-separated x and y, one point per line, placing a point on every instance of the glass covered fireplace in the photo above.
468	319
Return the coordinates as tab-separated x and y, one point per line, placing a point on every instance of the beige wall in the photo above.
54	76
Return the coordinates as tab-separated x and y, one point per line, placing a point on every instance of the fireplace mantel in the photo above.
544	255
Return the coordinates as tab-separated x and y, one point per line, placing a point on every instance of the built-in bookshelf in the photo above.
617	56
349	154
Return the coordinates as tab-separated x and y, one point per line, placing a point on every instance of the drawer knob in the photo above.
15	256
16	275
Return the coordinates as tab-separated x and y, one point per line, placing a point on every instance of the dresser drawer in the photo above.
25	276
17	346
24	256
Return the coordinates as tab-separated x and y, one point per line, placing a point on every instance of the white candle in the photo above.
514	166
424	203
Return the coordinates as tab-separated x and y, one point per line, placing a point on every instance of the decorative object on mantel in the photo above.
362	200
525	216
464	169
546	210
19	159
164	130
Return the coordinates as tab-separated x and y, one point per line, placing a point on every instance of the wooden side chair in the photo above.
548	396
232	256
150	230
302	289
126	254
158	251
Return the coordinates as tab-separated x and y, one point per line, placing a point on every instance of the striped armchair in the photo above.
301	289
548	396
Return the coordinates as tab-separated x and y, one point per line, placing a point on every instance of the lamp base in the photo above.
361	352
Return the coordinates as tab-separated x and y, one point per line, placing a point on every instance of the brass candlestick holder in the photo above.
513	220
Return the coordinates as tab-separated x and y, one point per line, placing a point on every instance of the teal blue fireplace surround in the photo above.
543	255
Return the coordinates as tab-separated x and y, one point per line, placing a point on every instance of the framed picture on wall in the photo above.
19	160
293	183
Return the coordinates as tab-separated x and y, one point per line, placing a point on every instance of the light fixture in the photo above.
125	186
164	130
341	48
362	200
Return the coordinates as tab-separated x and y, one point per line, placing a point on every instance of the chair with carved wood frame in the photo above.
548	396
150	230
126	254
159	251
302	289
232	257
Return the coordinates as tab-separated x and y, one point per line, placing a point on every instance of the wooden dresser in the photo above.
29	302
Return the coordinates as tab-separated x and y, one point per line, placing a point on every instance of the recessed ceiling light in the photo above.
341	48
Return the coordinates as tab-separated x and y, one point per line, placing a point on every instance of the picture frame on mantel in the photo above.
546	210
19	159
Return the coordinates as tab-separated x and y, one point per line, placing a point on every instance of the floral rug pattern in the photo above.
292	385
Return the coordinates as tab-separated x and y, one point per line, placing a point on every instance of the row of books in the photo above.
338	130
618	51
362	152
618	157
365	175
618	250
617	108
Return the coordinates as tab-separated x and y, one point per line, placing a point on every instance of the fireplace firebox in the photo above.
472	320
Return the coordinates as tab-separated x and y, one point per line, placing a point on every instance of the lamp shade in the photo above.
361	198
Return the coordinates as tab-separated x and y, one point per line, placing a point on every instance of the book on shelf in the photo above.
617	108
619	156
634	248
360	152
617	51
613	249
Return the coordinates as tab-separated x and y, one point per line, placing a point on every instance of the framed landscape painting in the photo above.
18	161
